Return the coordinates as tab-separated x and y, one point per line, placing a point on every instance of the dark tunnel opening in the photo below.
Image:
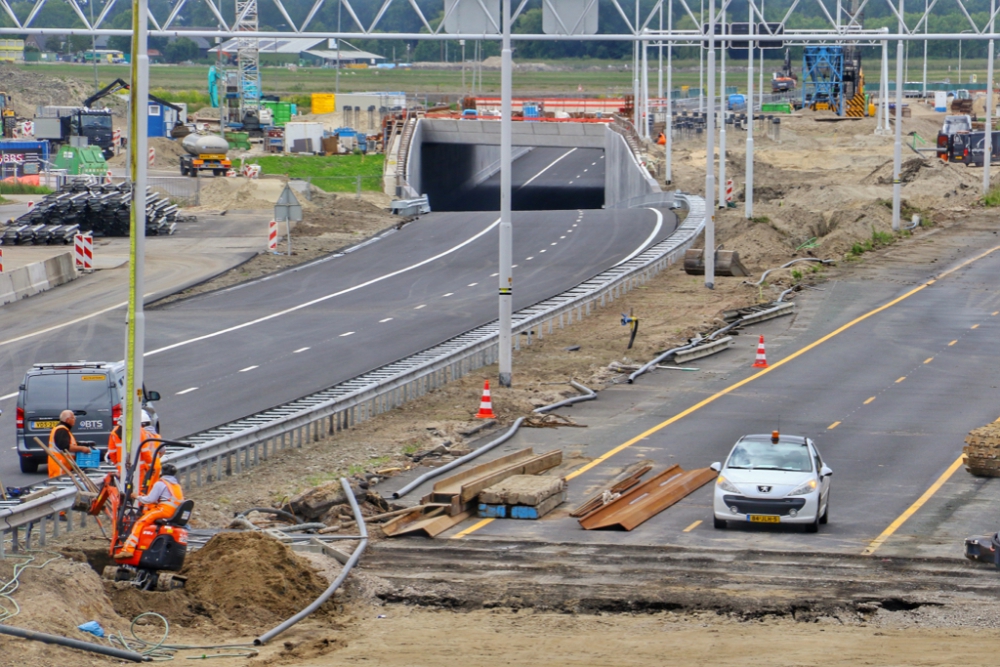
448	175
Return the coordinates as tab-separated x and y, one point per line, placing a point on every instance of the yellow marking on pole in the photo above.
900	379
952	343
928	360
832	426
912	509
471	529
693	526
869	400
975	326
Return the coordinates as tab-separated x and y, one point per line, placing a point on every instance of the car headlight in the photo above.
804	488
726	485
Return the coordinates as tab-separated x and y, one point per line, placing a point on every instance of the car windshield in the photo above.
764	455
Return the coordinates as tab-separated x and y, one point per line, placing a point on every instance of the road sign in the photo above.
288	207
480	17
569	17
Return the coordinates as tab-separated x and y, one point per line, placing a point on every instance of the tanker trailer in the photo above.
206	152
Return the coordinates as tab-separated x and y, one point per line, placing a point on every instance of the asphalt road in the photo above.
888	401
224	355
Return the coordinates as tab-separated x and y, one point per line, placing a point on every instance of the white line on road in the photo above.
321	299
554	243
551	164
473	284
56	327
528	258
349	333
301	349
448	294
656	230
248	368
4	398
388	319
187	391
494	275
541	251
423	305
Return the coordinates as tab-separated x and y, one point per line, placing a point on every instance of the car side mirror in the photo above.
825	472
717	467
152	395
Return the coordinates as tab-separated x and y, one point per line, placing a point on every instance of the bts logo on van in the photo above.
91	423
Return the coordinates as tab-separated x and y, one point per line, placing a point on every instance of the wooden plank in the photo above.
452	485
649	499
532	466
398	525
429	525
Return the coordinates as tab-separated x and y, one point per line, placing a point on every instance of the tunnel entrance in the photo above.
457	177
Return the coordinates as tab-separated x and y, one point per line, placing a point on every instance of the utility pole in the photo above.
336	85
709	254
701	62
723	112
635	72
748	188
988	136
506	278
760	104
659	78
670	95
897	154
926	23
93	44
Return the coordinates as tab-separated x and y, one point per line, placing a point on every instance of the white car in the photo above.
773	479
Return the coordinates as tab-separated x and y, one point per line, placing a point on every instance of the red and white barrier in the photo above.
272	236
29	128
107	177
1	260
83	251
152	155
31	205
729	190
250	170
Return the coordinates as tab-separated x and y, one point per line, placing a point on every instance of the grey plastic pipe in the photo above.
120	654
459	461
785	266
650	364
588	395
351	562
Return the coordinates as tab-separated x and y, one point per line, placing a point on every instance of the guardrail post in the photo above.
14	546
517	341
198	471
3	538
43	528
55	529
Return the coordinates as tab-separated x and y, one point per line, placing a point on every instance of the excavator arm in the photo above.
110	89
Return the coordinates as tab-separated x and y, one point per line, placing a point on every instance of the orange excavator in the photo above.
784	80
162	545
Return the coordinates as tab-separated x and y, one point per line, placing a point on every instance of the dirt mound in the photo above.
251	578
168	154
908	172
243	193
333	214
31	88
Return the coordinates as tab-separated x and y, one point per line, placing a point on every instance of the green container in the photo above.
281	112
776	107
238	140
79	161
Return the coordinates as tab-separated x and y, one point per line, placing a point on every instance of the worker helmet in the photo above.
146	420
169	469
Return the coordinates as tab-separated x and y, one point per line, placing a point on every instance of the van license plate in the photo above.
764	518
45	424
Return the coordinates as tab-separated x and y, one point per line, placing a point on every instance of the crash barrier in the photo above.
38	277
233	447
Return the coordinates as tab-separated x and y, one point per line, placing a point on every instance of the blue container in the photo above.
91	460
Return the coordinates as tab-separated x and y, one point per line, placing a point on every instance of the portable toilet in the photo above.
940	101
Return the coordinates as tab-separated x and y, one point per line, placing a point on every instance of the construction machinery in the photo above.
784	80
206	152
7	115
162	545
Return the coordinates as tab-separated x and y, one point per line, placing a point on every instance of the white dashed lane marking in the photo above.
388	319
301	349
187	391
347	333
423	305
248	368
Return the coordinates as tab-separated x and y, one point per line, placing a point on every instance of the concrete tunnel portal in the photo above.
556	166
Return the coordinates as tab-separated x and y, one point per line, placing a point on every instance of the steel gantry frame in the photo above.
637	31
247	56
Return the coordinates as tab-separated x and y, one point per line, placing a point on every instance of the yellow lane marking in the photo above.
995	313
975	326
833	426
952	343
471	529
693	526
900	379
733	387
912	509
928	360
869	400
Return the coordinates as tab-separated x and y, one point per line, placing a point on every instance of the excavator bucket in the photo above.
727	263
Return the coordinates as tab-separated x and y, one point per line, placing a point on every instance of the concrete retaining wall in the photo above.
38	277
624	177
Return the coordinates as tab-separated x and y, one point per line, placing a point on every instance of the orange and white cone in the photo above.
761	361
486	405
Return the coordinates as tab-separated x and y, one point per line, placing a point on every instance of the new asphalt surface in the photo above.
228	354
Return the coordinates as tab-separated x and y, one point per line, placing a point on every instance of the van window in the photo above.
89	391
45	394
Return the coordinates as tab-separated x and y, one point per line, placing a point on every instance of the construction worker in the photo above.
662	139
149	441
160	503
63	445
115	443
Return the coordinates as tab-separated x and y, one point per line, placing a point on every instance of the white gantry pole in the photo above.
748	188
988	135
897	153
670	96
506	278
723	107
710	156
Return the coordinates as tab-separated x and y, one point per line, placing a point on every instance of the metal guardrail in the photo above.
230	448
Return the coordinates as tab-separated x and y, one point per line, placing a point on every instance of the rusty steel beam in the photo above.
648	499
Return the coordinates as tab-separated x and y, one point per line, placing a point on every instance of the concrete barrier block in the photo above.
6	289
37	276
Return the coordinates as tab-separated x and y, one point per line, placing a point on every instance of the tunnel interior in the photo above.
456	177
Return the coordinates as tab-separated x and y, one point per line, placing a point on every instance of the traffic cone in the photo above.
761	361
486	405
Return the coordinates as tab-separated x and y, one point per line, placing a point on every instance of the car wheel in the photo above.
720	523
826	514
814	526
29	465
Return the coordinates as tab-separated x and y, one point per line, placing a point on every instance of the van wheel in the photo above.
29	465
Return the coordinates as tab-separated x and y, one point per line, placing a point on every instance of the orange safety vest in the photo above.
146	457
54	469
114	445
176	498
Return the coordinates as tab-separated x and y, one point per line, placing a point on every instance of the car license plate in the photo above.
45	425
764	518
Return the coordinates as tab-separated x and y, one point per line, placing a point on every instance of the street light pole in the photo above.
709	253
897	153
988	135
506	278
